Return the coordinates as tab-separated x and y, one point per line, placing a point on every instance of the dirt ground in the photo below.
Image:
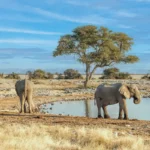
9	107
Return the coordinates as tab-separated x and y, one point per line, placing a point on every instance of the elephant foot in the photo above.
106	116
120	118
99	116
126	118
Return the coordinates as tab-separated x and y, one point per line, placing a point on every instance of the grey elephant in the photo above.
116	93
24	89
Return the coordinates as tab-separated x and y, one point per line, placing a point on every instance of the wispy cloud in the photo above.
92	19
86	4
16	30
126	14
21	18
25	41
124	26
143	0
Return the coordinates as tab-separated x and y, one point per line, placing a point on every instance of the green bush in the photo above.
114	73
147	76
50	75
12	76
123	75
72	74
39	74
60	76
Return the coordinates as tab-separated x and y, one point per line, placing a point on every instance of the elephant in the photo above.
116	93
24	89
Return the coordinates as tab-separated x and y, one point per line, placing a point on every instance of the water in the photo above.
87	108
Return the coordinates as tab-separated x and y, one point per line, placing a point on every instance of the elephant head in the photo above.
129	91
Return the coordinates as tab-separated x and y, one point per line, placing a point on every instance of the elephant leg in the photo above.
99	108
22	102
120	112
29	98
105	112
125	110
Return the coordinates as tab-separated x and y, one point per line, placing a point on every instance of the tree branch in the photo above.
91	73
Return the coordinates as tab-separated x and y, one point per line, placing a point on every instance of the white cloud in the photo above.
25	41
143	0
124	26
16	30
95	5
126	14
21	18
92	19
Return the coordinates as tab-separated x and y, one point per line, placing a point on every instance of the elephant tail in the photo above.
25	88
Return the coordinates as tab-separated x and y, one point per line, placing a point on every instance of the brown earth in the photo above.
9	107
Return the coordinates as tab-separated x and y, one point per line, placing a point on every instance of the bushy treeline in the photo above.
111	73
114	73
147	77
70	74
41	74
12	75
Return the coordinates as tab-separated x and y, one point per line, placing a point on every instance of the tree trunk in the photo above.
90	76
87	75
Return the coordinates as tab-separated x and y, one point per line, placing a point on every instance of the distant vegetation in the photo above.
114	73
1	75
147	76
96	47
13	76
72	74
40	74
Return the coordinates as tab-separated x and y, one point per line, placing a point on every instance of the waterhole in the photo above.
87	108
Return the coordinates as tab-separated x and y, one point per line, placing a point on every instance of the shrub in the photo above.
72	74
12	76
50	75
147	76
60	76
123	75
114	73
39	74
110	71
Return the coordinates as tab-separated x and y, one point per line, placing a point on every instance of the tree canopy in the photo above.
96	47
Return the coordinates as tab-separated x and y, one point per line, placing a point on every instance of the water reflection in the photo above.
87	108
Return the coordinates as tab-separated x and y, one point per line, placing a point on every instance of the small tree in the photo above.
111	72
72	74
12	76
50	75
60	76
114	73
38	74
96	47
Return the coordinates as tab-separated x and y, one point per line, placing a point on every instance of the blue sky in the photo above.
30	30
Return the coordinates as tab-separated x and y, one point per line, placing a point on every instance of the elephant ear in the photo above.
124	91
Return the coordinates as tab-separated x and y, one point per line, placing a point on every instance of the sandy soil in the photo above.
53	90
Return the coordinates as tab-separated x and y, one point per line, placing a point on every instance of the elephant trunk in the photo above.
137	100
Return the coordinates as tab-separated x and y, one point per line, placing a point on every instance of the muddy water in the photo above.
87	108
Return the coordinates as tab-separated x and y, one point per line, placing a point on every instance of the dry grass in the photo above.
41	137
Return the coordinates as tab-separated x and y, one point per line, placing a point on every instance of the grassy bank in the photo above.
55	137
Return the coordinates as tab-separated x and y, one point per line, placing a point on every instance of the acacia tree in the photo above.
96	47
